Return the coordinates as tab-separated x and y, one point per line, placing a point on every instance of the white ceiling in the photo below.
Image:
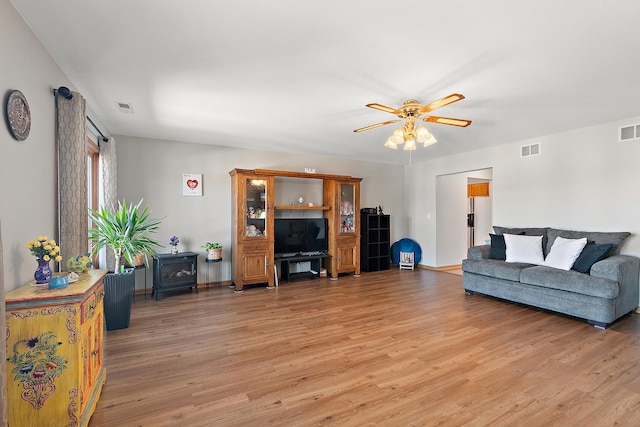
294	75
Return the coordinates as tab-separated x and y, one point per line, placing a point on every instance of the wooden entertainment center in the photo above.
253	213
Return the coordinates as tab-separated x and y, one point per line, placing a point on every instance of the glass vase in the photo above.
43	272
174	250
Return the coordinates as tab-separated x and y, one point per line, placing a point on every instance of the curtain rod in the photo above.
104	138
66	93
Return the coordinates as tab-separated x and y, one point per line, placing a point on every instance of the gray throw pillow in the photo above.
598	237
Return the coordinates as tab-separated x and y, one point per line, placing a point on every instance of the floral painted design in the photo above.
37	366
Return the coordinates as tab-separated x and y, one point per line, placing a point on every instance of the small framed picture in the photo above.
192	184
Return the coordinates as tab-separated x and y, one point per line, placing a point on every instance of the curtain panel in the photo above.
72	176
109	189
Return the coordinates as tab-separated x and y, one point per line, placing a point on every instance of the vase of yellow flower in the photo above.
43	272
44	250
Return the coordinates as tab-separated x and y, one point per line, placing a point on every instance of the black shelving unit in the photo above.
375	236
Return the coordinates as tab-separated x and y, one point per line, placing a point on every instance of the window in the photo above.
93	177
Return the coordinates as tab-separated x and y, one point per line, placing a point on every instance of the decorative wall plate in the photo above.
18	115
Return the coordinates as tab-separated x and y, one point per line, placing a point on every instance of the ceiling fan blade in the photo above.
454	97
448	121
384	108
388	122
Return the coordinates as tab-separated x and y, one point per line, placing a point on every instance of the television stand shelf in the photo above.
315	260
302	208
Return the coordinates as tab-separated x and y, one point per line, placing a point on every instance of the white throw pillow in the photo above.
524	249
564	252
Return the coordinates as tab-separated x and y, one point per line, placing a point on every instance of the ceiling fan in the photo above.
410	111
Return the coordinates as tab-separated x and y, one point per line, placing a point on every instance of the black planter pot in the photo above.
118	295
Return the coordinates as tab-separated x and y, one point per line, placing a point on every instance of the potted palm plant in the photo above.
123	230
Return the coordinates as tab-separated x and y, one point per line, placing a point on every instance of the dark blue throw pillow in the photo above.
498	247
591	254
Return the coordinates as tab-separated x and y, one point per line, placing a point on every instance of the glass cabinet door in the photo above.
347	224
255	193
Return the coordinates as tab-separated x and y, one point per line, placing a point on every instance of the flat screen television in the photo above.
295	235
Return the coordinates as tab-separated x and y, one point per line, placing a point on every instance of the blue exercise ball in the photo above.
406	245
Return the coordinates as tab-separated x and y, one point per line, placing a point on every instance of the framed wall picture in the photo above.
192	184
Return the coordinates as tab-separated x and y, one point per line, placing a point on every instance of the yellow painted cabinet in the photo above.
55	368
92	327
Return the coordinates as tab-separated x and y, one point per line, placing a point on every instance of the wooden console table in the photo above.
315	260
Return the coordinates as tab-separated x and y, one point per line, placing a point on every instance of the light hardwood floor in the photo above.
394	348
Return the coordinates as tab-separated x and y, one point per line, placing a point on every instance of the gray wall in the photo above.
27	174
152	169
583	180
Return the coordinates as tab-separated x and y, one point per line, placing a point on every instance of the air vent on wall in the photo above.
125	107
629	133
530	150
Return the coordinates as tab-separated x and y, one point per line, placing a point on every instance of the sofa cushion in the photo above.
535	231
570	281
591	254
615	238
494	268
564	252
527	249
479	252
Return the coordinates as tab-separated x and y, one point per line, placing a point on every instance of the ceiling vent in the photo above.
530	150
125	107
629	133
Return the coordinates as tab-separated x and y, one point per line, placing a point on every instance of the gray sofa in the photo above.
603	293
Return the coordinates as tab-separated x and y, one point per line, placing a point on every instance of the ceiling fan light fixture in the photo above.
391	144
432	140
409	133
410	144
422	134
397	136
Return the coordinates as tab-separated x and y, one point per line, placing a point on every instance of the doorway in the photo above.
452	209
